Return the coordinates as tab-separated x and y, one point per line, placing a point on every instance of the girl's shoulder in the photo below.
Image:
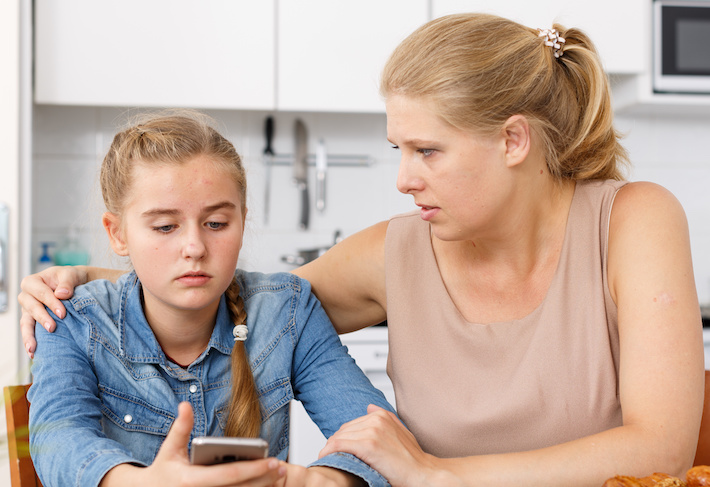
100	296
252	283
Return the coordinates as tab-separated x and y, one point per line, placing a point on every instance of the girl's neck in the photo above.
182	334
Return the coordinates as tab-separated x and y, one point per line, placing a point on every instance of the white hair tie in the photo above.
240	333
553	40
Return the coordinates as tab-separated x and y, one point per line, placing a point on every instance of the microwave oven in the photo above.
681	46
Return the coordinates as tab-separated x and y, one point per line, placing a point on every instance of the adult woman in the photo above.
184	345
537	297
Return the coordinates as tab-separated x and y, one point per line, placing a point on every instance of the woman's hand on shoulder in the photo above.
349	279
48	288
172	467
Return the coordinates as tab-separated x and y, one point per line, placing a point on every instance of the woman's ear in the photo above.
516	131
112	224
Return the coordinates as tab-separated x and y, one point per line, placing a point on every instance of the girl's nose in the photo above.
193	246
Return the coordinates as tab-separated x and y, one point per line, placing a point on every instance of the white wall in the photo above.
11	94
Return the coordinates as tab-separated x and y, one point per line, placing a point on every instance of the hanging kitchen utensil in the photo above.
300	170
321	167
268	162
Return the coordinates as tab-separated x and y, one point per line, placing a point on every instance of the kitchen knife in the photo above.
300	170
268	161
321	167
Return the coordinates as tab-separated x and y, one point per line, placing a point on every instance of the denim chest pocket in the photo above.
274	396
133	414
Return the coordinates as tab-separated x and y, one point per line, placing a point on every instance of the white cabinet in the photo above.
619	28
207	53
330	54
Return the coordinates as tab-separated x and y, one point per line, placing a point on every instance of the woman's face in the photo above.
458	179
182	228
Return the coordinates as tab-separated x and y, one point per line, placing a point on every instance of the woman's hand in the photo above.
172	466
382	441
46	288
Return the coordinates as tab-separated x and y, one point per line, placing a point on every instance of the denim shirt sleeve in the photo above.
332	388
67	444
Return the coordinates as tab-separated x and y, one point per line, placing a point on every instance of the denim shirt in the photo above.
104	393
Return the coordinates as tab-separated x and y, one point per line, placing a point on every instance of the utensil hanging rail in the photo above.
333	160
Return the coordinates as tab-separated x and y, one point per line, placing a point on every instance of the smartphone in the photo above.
210	450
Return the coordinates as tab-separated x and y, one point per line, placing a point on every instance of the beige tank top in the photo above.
468	389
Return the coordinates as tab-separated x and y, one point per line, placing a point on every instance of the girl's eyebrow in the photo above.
172	212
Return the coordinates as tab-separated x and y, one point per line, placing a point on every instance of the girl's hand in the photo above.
172	466
46	288
381	440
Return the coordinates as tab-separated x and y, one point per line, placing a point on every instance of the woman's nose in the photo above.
407	181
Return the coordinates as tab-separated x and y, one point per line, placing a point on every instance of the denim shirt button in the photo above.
193	388
128	418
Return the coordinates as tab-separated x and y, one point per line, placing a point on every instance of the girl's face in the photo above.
458	179
182	228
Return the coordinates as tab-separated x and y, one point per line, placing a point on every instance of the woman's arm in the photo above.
660	376
349	280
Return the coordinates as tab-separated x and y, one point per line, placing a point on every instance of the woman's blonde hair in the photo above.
480	69
177	137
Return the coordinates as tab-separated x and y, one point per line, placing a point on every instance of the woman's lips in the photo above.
428	212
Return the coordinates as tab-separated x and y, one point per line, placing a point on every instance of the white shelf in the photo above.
633	95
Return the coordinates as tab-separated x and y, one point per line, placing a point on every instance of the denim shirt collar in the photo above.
137	340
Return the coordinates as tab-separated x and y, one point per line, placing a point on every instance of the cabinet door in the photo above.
205	54
620	29
331	53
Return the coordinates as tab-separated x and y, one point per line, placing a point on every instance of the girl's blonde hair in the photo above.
175	138
480	69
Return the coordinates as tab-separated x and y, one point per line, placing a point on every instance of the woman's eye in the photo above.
395	146
164	228
216	225
425	152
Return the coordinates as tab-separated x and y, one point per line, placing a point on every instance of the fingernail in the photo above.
62	290
58	312
282	471
27	349
273	463
46	326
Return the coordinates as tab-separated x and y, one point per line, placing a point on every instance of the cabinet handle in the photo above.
4	230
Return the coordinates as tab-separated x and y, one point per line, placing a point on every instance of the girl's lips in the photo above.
428	212
194	279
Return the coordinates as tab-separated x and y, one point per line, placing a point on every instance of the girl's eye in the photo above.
164	228
395	146
425	152
216	225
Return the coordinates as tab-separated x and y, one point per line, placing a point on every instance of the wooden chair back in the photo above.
702	454
17	414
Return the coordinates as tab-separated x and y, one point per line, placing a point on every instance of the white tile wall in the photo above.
69	143
673	152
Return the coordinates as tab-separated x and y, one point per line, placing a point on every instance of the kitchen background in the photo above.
316	60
